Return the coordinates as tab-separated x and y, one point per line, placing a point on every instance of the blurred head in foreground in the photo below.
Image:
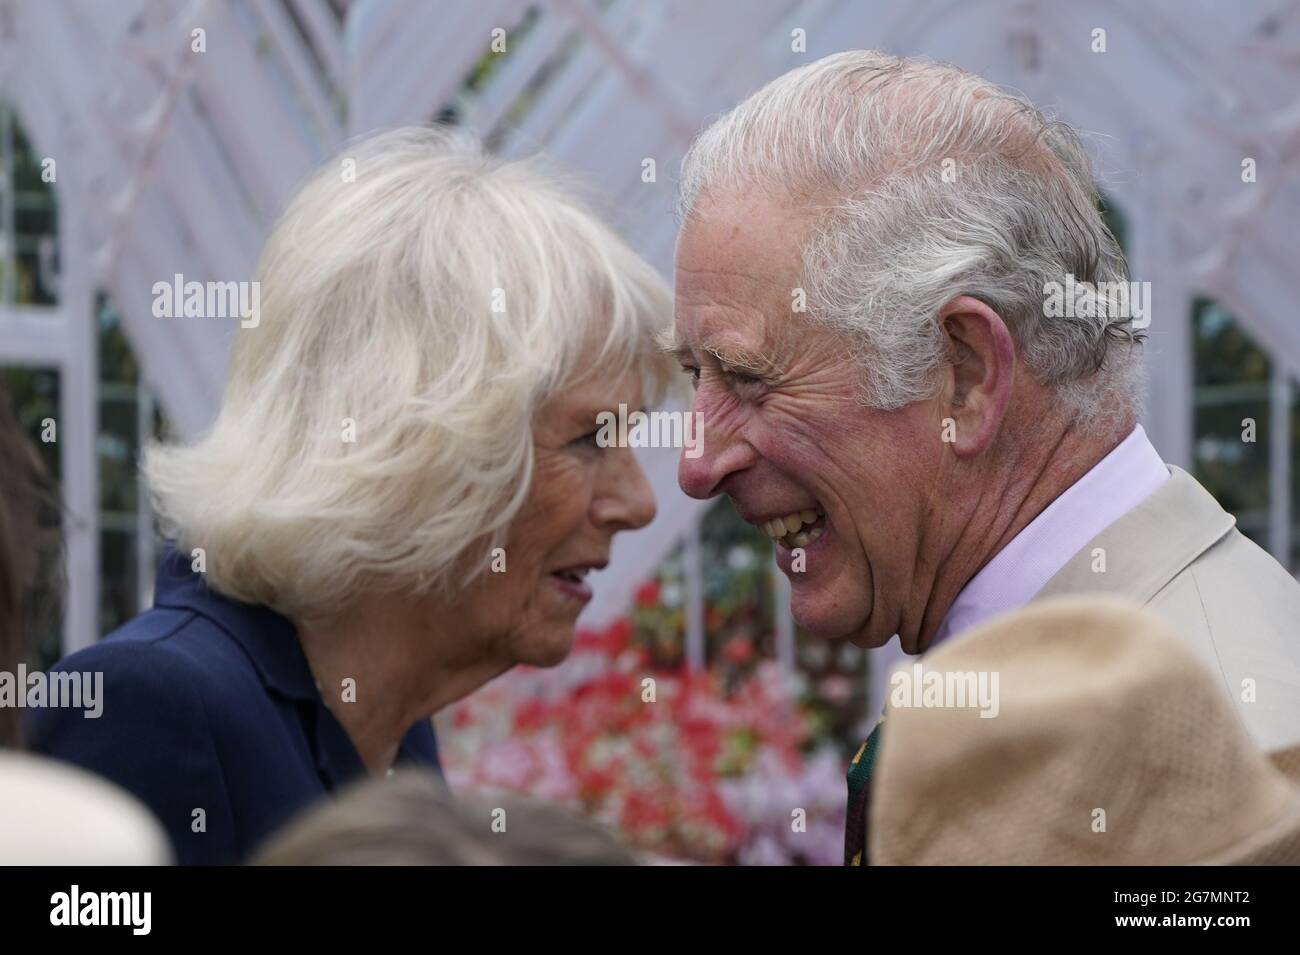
1105	742
412	819
55	814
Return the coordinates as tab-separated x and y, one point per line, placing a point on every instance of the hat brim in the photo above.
1279	842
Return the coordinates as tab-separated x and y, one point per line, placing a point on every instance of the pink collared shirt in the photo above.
1116	484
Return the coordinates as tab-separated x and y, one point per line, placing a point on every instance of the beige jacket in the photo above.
1180	554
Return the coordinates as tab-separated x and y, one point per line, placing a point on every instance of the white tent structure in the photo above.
181	127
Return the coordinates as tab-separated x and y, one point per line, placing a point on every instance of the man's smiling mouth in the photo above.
797	529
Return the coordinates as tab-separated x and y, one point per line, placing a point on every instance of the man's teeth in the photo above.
788	528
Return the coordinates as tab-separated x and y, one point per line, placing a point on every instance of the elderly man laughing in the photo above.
867	278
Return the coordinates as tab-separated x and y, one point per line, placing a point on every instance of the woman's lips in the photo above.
571	585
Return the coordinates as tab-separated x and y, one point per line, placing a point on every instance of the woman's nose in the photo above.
627	502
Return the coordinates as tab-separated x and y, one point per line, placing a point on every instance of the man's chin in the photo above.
911	645
865	641
835	628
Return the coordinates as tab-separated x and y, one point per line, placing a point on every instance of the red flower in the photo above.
647	595
611	641
644	811
739	650
618	636
531	715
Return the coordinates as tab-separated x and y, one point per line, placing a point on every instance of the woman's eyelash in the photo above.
588	439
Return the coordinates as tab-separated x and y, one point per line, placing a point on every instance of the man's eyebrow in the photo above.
725	353
735	357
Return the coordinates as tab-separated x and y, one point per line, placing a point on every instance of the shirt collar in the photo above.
1115	485
1176	525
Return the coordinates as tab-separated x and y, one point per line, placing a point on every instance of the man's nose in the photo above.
718	453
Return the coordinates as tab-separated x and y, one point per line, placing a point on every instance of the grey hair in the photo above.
928	183
413	819
379	312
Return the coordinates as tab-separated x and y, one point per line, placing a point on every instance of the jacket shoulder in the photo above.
1241	610
146	662
1238	589
153	734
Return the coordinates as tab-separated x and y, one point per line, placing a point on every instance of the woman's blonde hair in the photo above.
419	301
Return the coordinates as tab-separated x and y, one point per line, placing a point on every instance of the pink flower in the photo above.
699	772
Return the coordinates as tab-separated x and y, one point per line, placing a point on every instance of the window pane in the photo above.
117	447
117	581
1232	418
34	394
28	257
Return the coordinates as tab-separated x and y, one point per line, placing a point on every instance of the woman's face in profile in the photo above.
581	495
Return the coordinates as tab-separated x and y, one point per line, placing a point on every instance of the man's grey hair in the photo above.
928	183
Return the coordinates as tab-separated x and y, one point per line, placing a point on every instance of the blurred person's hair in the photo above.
437	298
411	818
29	552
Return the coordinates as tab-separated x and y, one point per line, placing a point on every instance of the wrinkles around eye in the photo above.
743	385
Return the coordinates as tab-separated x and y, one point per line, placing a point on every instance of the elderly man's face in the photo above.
785	437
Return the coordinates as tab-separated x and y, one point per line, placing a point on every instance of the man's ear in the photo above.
978	386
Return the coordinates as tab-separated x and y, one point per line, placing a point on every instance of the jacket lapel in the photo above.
1149	546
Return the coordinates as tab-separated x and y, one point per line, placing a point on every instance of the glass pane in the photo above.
34	395
118	593
1232	418
1115	220
117	447
28	257
1295	484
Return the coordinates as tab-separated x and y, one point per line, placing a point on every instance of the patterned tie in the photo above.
859	775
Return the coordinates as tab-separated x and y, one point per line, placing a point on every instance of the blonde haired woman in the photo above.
400	498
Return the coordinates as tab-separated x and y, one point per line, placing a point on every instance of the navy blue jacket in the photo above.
209	704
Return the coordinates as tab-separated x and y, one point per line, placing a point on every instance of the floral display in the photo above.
680	767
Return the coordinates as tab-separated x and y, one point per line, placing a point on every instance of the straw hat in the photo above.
1110	743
